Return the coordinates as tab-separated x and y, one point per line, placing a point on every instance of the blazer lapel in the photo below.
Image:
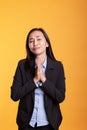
30	73
50	68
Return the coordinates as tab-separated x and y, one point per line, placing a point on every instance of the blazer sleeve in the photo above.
21	88
56	91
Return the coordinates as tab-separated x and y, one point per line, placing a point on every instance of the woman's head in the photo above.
34	37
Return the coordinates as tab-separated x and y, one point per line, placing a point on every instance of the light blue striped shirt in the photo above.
39	114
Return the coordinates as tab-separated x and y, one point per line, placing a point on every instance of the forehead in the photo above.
36	34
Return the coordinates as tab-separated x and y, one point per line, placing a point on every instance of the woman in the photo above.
39	84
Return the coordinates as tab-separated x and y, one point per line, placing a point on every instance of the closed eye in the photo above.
38	39
30	41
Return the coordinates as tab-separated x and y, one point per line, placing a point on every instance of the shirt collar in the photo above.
44	63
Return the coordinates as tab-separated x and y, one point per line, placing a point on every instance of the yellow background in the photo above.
65	21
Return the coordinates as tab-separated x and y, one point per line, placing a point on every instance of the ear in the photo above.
47	44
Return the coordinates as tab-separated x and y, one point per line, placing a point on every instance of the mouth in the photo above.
36	48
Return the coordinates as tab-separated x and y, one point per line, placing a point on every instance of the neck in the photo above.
41	58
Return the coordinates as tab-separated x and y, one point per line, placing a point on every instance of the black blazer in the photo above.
54	92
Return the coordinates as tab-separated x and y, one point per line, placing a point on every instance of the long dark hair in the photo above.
49	51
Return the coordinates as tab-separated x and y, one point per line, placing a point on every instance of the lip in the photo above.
36	48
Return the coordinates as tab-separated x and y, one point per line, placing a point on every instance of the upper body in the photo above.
25	87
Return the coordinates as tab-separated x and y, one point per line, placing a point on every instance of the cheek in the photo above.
42	43
29	46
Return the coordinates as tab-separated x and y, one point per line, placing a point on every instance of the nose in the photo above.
35	42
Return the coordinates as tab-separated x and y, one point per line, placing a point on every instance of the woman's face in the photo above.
37	43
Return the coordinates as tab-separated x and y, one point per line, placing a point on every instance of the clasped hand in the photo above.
39	74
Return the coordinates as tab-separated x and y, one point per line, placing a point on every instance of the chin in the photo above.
35	53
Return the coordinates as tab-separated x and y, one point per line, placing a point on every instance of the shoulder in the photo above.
59	63
55	63
26	64
59	67
21	65
21	62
